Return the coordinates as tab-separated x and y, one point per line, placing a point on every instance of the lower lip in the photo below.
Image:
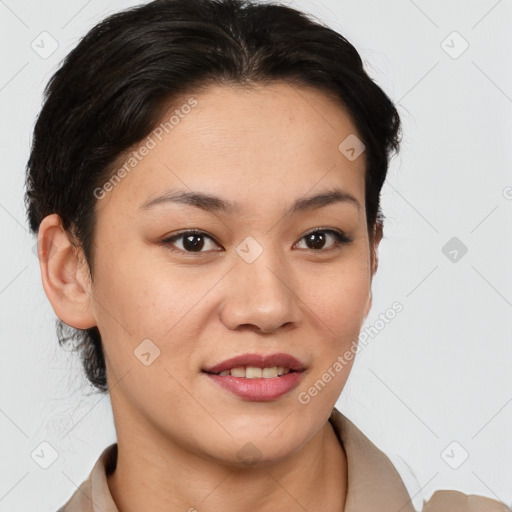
261	390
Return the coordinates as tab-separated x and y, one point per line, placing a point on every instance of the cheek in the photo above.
339	297
138	295
338	303
137	301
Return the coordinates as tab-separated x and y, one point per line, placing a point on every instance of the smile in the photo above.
253	372
257	384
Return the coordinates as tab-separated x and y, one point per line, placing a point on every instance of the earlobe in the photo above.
64	276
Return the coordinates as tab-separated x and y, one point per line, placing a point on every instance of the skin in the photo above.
178	432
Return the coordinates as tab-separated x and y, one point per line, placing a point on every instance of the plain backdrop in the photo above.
433	387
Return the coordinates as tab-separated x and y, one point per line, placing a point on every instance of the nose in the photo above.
261	296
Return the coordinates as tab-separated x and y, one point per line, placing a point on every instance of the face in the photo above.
251	278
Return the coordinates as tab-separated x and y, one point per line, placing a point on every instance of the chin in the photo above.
255	454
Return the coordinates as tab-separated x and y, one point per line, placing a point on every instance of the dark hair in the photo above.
112	89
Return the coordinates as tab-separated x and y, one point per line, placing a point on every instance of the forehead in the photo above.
251	143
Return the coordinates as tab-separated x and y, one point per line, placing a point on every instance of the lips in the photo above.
257	377
286	361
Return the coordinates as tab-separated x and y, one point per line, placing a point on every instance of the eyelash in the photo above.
340	239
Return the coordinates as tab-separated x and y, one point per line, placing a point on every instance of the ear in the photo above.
374	258
377	237
64	274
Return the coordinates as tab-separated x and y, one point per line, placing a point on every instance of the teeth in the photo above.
252	372
238	372
268	373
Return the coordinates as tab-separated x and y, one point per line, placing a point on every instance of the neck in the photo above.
148	477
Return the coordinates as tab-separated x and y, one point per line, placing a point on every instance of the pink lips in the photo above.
258	389
259	361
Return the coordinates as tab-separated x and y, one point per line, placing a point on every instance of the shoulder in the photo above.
94	494
451	501
80	500
372	475
373	481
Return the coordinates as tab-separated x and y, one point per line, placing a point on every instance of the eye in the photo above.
316	239
192	241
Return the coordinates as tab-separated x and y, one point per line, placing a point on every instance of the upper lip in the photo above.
258	361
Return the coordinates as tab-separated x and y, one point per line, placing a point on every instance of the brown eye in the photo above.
317	239
190	241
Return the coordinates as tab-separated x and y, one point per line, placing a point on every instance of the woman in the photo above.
205	180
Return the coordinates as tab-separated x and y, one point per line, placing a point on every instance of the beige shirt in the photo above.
374	484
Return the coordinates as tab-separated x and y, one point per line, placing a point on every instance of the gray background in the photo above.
434	386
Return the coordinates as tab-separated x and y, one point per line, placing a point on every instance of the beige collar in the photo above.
374	484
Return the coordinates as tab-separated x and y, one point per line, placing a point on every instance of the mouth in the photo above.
254	372
256	377
257	366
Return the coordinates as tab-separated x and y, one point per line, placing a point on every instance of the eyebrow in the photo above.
213	204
